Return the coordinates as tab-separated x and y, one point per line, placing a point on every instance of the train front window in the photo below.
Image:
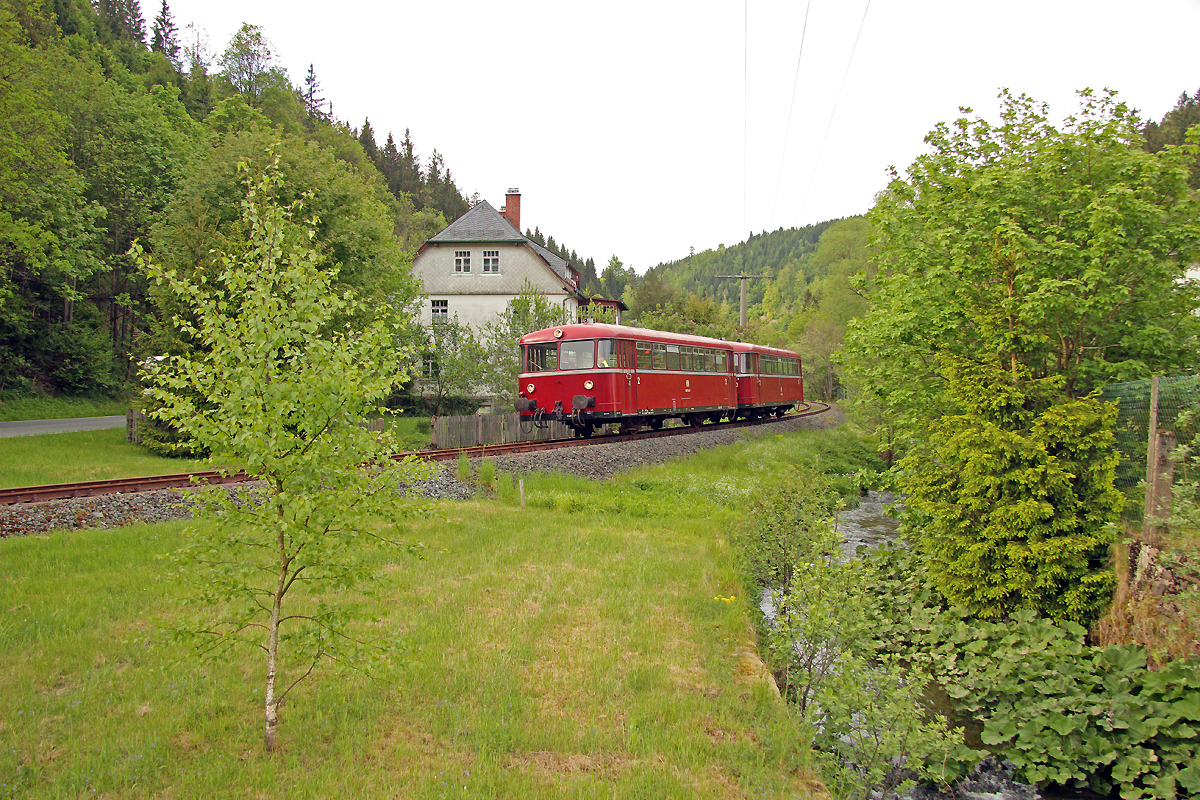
578	355
541	357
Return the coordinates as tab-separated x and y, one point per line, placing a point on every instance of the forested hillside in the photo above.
114	130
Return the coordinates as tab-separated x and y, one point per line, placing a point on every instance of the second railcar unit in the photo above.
588	375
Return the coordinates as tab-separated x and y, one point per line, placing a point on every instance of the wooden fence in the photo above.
483	429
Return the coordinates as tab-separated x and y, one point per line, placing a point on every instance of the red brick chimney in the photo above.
512	208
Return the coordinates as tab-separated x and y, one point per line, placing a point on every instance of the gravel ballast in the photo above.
598	461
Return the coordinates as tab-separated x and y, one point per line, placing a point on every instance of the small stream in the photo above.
868	525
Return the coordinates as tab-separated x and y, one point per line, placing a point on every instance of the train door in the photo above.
625	363
758	390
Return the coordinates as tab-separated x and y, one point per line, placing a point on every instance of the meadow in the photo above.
102	455
593	644
28	408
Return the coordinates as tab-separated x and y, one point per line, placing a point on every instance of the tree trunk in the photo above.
272	703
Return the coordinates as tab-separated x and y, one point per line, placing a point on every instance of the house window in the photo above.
429	368
440	309
462	260
491	260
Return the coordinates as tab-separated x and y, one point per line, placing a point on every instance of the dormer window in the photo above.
491	261
462	261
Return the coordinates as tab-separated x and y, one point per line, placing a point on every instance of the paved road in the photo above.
31	427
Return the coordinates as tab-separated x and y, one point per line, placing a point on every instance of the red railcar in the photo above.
769	380
590	374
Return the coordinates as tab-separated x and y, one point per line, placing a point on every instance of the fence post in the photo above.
1160	474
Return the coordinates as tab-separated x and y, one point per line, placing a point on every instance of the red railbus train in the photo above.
592	374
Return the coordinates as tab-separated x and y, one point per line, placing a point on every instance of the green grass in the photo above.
593	645
29	408
100	455
412	433
82	456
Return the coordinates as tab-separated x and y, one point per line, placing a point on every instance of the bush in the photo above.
1018	496
789	519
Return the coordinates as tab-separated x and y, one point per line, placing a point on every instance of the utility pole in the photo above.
743	278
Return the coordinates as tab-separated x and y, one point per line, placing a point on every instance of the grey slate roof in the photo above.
558	264
484	223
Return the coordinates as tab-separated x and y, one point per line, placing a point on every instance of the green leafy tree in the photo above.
1017	496
50	246
527	312
615	278
355	219
248	64
276	388
452	362
1057	251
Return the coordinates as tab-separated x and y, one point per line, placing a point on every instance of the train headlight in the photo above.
529	388
588	385
558	333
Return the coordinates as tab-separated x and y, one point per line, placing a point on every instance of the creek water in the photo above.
868	525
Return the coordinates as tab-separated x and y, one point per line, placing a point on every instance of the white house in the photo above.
481	261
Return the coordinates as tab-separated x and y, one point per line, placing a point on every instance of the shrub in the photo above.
1018	494
789	518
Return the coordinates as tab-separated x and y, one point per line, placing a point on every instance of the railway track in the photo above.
58	491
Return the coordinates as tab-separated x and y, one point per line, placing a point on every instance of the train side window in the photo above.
578	355
722	359
606	355
644	359
541	357
660	356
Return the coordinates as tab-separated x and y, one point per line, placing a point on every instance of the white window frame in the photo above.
462	261
439	310
491	262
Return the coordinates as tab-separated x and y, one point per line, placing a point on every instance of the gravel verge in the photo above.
597	462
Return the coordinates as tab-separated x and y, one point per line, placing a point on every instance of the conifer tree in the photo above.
389	165
366	138
165	40
410	169
314	104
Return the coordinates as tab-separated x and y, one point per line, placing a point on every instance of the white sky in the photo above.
622	122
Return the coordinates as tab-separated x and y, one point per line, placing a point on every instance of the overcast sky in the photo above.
622	123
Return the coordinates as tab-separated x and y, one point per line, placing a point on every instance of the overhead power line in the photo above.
837	100
791	106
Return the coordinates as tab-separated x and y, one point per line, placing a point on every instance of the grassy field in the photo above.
592	645
100	455
82	456
27	408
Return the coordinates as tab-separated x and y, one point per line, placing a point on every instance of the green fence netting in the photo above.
1175	396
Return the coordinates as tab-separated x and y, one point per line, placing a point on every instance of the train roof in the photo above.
601	330
747	347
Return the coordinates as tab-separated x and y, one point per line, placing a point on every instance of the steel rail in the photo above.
59	491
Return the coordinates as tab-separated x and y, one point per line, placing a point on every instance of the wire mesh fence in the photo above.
1132	434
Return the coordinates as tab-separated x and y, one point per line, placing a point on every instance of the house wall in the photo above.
478	297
